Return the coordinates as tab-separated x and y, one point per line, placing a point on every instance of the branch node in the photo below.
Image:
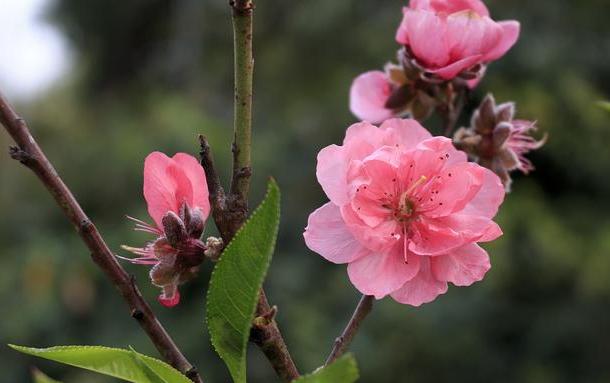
137	314
85	226
19	154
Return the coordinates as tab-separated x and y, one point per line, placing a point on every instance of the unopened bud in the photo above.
174	229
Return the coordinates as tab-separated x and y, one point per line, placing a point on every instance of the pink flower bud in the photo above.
406	211
177	195
448	37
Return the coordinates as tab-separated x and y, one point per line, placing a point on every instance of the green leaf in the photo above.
343	370
237	280
604	105
40	377
118	363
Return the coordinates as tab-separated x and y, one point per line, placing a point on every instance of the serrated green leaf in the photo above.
40	377
237	280
604	105
343	370
118	363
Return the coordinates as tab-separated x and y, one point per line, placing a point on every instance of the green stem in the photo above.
244	68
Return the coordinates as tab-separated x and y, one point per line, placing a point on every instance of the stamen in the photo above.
415	184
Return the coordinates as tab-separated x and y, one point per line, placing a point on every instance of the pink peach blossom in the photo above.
406	211
368	95
177	196
447	37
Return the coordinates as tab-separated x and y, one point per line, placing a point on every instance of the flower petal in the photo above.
368	95
405	132
450	71
510	34
463	266
196	175
159	188
489	198
327	235
423	288
379	274
426	34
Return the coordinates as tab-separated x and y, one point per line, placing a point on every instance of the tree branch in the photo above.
31	155
365	305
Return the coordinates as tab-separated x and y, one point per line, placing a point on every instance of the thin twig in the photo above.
365	305
31	155
451	110
218	199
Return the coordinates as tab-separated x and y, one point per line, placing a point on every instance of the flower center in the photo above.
406	207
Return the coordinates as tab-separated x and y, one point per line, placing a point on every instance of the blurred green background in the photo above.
151	74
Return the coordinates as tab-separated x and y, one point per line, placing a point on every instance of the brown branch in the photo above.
31	155
365	305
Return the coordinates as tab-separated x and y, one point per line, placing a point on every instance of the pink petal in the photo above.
471	35
196	175
451	189
489	198
361	139
327	235
423	288
373	183
510	34
378	238
405	132
379	274
444	147
450	6
331	172
169	298
463	266
450	71
425	33
432	237
159	188
368	95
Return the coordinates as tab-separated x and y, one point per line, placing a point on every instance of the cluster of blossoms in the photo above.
177	196
443	42
407	210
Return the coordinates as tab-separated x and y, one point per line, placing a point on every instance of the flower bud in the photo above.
497	141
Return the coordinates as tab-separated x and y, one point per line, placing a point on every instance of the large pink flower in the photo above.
447	37
406	211
176	193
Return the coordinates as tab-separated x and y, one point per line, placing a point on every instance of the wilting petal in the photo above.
379	274
423	288
463	266
327	235
368	95
510	34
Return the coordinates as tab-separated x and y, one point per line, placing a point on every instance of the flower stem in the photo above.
243	71
365	305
